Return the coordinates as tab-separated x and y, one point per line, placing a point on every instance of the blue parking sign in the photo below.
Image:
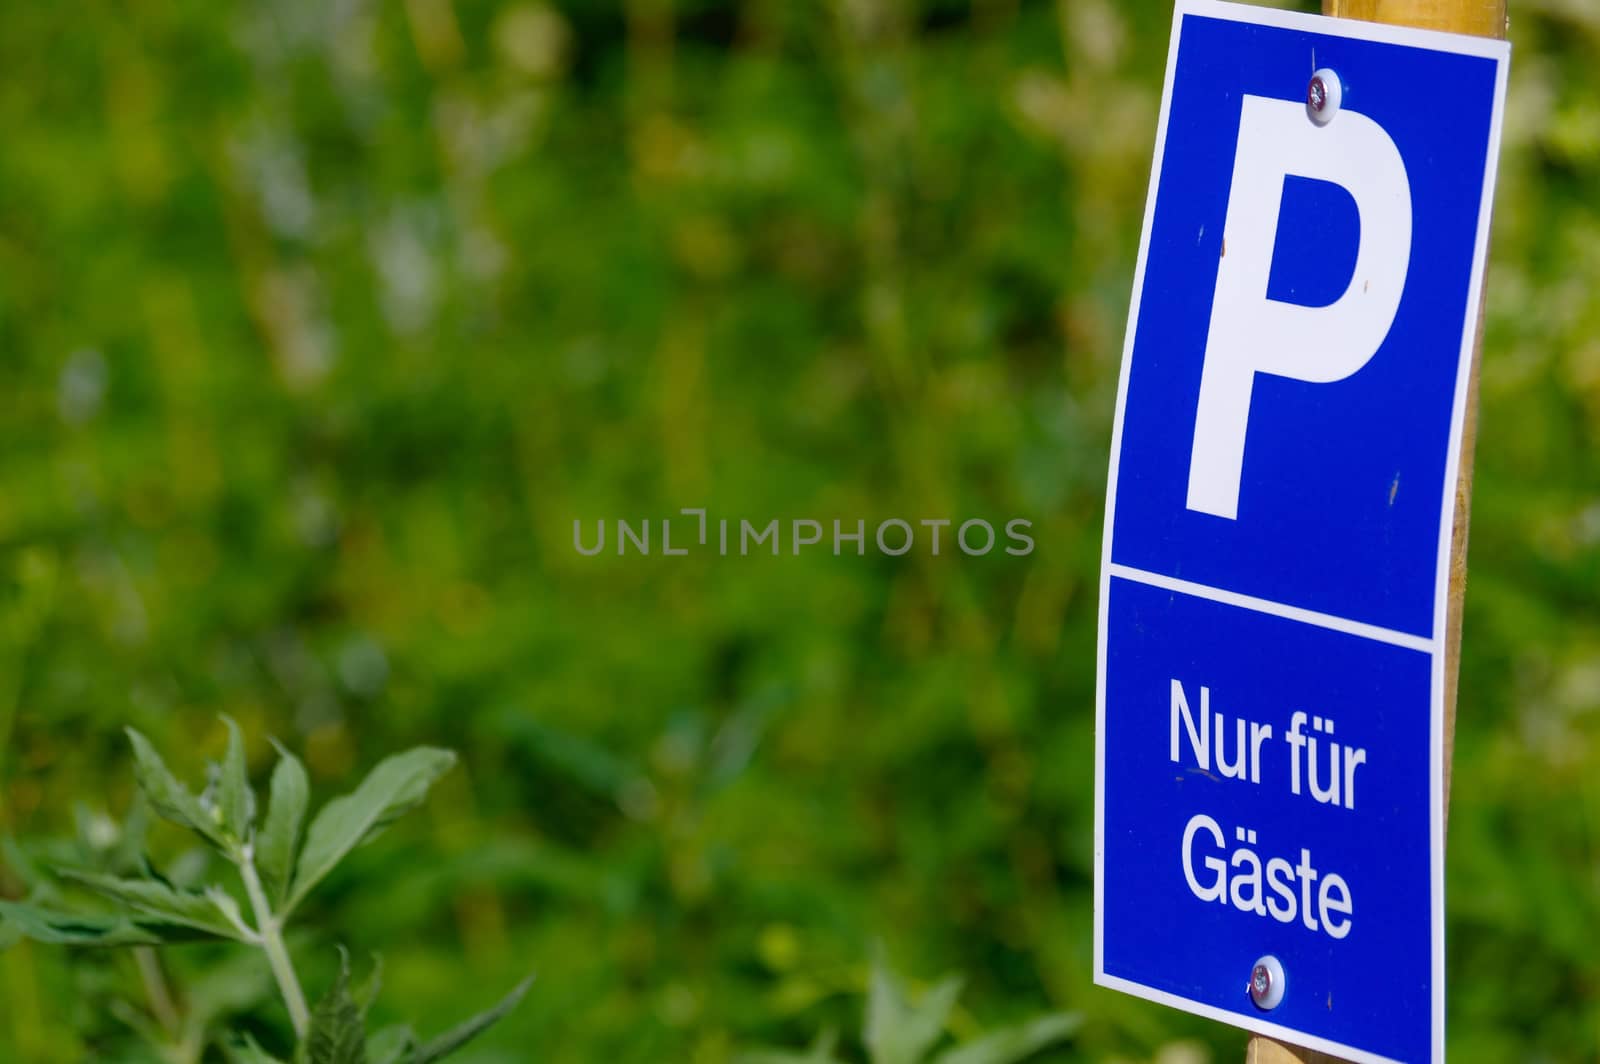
1269	843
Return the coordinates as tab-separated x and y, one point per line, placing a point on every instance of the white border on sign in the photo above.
1462	44
1276	609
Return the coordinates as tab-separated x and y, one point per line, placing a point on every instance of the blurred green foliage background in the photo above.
323	320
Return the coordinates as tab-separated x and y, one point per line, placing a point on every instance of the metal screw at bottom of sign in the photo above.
1266	983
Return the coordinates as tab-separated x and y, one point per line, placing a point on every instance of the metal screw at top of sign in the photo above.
1324	96
1267	983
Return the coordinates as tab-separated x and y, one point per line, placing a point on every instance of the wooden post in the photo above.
1482	18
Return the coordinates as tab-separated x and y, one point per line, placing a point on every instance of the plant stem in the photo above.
155	988
271	932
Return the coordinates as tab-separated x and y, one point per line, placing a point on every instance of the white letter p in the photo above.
1252	334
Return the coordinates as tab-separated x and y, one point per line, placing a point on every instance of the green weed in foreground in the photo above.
279	861
900	1031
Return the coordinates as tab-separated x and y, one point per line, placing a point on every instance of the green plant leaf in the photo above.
397	785
196	911
370	987
279	839
1011	1044
229	908
169	798
234	797
392	1045
898	1032
337	1034
454	1039
74	929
